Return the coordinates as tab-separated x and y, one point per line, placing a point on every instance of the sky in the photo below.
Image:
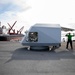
29	12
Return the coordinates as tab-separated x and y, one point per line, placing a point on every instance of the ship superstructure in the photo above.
7	34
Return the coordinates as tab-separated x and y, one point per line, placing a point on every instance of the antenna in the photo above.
11	28
19	32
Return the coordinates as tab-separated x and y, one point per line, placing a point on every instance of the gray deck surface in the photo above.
15	59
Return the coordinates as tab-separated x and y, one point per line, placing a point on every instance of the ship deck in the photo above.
15	59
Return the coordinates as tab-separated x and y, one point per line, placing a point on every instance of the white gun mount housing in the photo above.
43	36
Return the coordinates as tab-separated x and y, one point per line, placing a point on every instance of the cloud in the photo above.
28	12
9	10
13	5
5	1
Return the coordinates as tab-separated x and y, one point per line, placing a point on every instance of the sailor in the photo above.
69	40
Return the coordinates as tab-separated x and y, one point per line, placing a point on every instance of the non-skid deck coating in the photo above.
15	59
